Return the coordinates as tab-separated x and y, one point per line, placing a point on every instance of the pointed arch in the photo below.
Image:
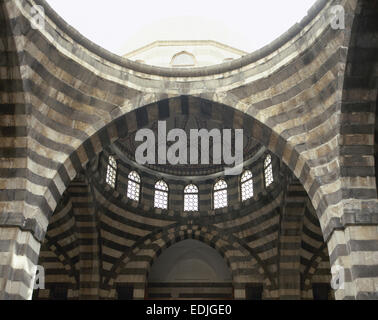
161	195
183	59
191	198
111	172
133	186
268	171
246	185
220	195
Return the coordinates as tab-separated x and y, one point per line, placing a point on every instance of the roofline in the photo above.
166	43
181	72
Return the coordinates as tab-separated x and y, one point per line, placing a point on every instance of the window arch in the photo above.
268	170
111	172
133	186
220	194
246	185
183	59
191	198
161	195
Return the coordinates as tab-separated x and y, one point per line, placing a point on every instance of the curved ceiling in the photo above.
120	27
127	146
190	260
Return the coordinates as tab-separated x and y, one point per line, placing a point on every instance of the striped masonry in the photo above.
309	98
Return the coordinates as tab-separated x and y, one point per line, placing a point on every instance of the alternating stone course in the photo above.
310	98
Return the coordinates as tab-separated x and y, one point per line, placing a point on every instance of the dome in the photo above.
126	146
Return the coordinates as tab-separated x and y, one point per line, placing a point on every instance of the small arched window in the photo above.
133	186
111	172
268	170
246	185
183	59
161	195
191	198
220	194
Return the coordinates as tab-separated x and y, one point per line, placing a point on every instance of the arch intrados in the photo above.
173	235
117	128
175	250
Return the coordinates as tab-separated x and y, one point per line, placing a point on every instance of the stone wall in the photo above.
122	238
309	97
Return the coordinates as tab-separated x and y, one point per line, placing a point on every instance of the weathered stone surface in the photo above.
310	97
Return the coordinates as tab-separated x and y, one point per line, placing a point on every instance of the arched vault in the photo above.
309	97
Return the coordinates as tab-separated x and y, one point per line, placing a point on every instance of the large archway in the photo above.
76	99
159	111
189	270
235	256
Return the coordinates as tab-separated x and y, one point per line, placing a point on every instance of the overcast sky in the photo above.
123	25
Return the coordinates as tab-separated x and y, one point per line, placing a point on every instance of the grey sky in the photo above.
122	26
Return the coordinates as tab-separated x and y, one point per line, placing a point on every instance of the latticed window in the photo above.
220	194
111	172
246	185
191	198
268	170
161	195
133	186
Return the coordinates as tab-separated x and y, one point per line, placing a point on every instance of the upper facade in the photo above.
184	54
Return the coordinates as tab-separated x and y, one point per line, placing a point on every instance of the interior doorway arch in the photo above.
189	269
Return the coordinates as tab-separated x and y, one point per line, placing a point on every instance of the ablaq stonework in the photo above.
75	201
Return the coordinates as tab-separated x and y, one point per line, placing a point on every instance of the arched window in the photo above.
133	186
111	172
268	170
161	195
246	185
191	198
220	194
183	59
